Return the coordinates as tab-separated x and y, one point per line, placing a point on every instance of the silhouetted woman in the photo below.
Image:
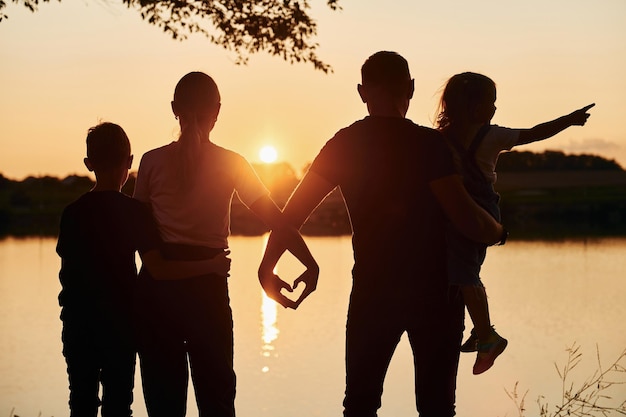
188	324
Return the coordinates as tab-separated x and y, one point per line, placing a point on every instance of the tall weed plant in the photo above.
602	394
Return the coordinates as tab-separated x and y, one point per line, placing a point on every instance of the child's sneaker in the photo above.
488	351
471	344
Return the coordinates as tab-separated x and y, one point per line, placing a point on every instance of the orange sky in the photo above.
73	64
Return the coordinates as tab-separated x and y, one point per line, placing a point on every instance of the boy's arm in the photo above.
467	216
163	269
309	193
548	129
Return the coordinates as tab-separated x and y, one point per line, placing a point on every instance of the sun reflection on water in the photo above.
269	330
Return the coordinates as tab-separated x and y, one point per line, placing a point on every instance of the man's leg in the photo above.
371	339
435	340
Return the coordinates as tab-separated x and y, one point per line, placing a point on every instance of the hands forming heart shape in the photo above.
273	286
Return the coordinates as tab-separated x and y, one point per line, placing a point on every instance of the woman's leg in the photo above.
162	348
209	334
165	376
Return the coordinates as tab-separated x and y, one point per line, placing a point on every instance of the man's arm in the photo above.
467	216
306	197
548	129
163	269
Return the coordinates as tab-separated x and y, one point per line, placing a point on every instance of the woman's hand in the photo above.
273	285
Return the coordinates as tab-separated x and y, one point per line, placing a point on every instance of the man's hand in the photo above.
309	278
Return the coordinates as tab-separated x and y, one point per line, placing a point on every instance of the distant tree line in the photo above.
32	207
553	161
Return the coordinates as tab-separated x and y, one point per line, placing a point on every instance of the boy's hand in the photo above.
221	264
580	116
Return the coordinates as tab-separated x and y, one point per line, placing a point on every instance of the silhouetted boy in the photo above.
99	234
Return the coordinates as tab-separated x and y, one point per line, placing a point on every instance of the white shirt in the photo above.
200	216
496	140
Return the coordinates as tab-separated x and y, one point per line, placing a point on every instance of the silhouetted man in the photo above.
399	185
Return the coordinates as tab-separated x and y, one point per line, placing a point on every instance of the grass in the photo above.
590	398
12	413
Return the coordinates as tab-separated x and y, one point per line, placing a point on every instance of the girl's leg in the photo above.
475	298
490	345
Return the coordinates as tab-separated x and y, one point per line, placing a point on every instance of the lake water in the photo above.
544	297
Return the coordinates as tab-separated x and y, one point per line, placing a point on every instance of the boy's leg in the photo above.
371	339
83	370
118	378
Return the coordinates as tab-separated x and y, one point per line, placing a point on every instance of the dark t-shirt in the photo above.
383	167
98	237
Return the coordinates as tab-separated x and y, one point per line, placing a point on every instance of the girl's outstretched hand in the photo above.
580	116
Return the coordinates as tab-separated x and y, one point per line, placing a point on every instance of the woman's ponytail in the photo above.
187	152
196	96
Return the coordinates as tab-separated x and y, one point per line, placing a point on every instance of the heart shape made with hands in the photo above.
297	289
290	296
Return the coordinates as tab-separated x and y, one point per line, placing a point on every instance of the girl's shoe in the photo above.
488	351
471	344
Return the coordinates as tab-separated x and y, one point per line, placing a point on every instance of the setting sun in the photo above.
268	154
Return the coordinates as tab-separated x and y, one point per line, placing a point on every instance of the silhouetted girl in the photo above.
465	111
